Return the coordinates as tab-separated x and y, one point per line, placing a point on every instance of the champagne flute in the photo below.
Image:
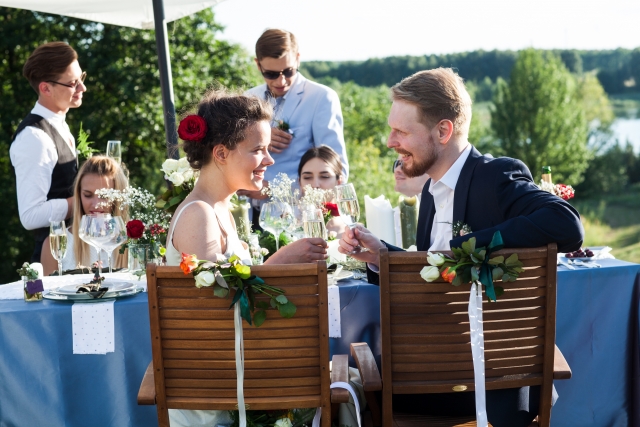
114	150
349	208
274	217
313	223
58	242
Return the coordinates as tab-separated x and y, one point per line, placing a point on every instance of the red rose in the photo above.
333	208
192	128
448	274
135	229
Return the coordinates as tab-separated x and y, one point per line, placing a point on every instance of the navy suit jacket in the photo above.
499	194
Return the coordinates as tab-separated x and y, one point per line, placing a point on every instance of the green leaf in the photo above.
252	299
497	273
457	253
468	247
475	258
474	275
160	204
262	304
506	277
245	313
219	291
287	310
175	201
499	290
456	281
273	303
236	297
482	253
177	189
259	317
513	261
281	299
254	280
496	260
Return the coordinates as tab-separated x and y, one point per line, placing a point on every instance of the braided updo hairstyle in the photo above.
228	117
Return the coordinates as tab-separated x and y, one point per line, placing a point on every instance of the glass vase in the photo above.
140	254
31	296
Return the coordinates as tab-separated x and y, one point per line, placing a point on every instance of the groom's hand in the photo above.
280	140
360	236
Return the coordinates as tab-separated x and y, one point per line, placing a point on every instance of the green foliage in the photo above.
611	171
538	118
83	145
123	100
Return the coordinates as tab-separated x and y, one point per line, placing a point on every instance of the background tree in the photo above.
123	100
538	119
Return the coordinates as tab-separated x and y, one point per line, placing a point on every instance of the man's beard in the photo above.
420	166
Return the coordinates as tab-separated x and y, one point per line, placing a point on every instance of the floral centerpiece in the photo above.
147	228
230	274
320	199
565	192
32	285
183	178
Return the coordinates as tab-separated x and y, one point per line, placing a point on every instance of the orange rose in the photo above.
188	263
448	275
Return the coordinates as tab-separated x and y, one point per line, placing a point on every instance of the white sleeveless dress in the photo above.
203	418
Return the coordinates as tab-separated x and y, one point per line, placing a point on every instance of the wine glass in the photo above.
295	226
108	232
274	217
313	223
84	232
58	242
114	150
349	208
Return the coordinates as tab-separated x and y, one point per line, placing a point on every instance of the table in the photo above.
43	383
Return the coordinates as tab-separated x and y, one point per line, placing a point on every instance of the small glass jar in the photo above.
256	251
30	297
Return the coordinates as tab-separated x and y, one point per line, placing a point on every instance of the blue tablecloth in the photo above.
42	383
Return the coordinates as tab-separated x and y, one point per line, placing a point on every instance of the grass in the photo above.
613	220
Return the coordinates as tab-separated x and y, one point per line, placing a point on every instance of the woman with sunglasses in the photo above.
306	114
43	151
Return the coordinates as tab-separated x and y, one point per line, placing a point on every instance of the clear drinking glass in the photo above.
108	232
275	217
313	223
84	232
349	208
58	242
114	150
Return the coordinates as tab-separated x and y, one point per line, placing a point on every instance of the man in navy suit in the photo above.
429	121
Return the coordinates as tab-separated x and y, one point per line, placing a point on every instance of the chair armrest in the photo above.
340	373
371	380
561	369
147	392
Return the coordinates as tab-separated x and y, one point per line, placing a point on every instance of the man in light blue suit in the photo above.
311	110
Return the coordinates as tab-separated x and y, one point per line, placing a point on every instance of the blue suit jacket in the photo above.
313	112
499	194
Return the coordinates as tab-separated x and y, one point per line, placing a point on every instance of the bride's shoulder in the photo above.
195	212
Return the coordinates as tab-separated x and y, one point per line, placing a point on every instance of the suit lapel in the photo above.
293	98
461	194
425	219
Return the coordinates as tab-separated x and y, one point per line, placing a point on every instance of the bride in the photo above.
227	141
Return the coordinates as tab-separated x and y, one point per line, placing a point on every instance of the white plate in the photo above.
113	285
84	297
343	275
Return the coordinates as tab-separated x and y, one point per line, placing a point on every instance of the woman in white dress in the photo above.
228	141
96	173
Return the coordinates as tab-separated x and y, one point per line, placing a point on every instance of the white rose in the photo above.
264	251
183	163
169	166
430	274
187	174
204	278
176	178
283	422
435	259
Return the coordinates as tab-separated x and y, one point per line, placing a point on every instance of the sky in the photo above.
359	29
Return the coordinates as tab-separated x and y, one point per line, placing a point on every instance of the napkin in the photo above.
380	218
334	255
335	327
93	328
397	225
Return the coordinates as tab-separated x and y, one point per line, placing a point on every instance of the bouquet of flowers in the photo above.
228	274
148	224
318	198
183	178
470	264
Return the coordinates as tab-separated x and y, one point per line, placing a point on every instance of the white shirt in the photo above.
443	192
33	155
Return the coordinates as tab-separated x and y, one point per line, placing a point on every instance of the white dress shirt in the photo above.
33	155
443	192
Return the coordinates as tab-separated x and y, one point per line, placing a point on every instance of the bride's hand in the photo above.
300	251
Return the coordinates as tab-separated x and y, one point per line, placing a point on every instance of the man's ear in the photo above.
444	130
44	89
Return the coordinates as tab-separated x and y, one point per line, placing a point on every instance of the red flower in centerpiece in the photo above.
188	263
156	229
135	229
448	275
192	128
331	207
565	192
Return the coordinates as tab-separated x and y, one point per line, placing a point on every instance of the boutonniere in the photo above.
459	229
284	126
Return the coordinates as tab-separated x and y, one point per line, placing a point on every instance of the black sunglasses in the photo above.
397	163
272	75
72	86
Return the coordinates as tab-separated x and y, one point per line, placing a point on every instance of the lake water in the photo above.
625	129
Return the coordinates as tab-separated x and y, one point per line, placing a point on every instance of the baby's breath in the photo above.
315	196
279	188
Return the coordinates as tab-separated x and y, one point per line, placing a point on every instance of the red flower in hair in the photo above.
192	128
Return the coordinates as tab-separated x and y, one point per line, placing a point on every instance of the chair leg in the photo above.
374	406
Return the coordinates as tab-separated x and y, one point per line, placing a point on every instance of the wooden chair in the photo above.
425	336
286	360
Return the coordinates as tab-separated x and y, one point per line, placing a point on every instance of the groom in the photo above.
429	121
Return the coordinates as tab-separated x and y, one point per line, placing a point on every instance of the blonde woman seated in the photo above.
320	167
96	173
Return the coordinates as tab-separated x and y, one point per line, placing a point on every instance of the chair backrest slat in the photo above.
193	339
